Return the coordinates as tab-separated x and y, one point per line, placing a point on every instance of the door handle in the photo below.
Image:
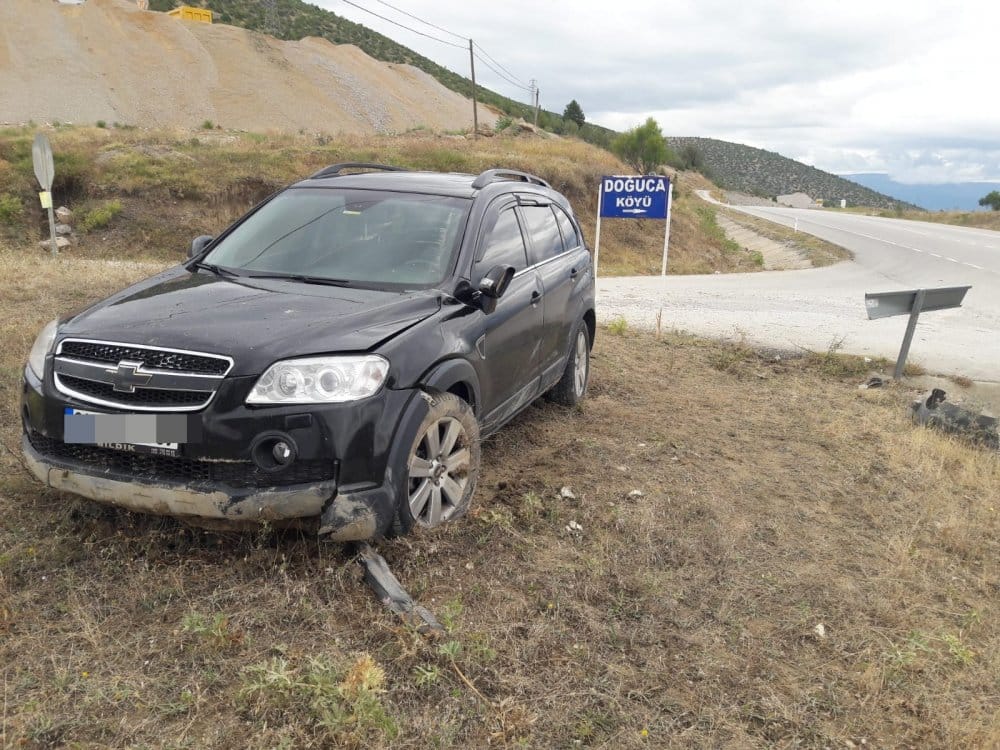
535	296
573	273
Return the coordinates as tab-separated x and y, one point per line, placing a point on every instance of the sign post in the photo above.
597	233
635	197
666	233
912	303
45	171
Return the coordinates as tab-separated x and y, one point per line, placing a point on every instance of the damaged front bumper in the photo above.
160	498
350	514
342	483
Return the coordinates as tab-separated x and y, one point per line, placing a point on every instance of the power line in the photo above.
402	26
500	66
417	18
502	76
486	59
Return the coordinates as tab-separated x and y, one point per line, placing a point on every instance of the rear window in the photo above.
570	236
366	237
545	240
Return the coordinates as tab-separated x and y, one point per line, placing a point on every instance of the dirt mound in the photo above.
107	60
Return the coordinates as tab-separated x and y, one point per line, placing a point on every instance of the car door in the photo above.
509	344
548	255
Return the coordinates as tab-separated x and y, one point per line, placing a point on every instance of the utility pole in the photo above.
475	114
533	88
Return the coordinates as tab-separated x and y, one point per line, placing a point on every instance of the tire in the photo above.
441	467
572	387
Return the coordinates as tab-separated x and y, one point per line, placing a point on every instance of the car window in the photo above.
545	239
368	237
570	236
504	244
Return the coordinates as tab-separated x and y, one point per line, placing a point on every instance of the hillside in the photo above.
752	170
108	61
295	19
170	187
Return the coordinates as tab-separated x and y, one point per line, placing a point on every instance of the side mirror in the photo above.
198	244
495	282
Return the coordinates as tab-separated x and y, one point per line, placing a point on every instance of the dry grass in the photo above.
978	219
774	499
173	186
818	252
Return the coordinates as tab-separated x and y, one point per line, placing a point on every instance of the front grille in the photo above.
180	470
137	377
141	397
153	359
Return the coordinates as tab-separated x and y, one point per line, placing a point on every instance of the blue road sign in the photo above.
634	197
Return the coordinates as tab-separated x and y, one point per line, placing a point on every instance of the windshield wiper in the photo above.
303	278
217	270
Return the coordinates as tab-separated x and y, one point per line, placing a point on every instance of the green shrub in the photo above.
10	209
101	216
618	326
207	125
503	123
101	124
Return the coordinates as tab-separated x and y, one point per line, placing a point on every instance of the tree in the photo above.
574	113
642	148
992	200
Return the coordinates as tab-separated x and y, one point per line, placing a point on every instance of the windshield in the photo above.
363	237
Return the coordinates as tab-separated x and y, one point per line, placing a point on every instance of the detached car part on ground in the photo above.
335	356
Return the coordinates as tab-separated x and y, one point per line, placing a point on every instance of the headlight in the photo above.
320	380
41	347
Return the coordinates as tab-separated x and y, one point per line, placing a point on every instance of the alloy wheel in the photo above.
582	362
439	472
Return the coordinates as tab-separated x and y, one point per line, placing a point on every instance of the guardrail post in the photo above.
911	326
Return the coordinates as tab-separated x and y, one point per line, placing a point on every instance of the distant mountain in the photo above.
950	196
753	170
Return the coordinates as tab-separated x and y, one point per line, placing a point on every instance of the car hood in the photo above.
254	321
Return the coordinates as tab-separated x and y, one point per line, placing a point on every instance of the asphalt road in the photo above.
823	307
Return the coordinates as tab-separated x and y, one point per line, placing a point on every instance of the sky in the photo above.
904	88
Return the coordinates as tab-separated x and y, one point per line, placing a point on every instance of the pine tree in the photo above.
575	113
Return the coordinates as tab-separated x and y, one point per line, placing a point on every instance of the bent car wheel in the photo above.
572	387
442	466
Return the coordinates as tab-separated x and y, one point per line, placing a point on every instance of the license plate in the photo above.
132	433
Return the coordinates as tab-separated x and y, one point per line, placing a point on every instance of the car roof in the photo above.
453	184
434	183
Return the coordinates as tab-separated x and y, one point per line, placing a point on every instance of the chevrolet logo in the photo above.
127	376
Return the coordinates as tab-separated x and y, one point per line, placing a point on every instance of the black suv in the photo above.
335	355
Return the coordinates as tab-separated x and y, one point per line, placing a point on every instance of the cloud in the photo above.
837	84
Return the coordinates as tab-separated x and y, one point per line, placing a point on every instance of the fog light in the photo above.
282	452
273	451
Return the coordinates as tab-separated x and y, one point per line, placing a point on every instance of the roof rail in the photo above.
334	170
495	175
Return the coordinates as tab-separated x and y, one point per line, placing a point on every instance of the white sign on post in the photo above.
45	171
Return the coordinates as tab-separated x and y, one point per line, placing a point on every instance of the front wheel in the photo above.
442	466
572	387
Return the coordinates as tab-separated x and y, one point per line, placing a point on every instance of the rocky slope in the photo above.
107	60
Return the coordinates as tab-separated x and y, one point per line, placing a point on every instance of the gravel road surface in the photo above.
820	307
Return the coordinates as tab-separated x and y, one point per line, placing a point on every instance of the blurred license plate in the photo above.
156	434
